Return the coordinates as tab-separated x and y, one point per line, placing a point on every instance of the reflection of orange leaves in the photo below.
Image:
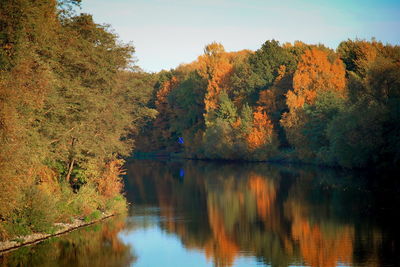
110	233
261	132
319	249
321	244
221	247
165	202
265	194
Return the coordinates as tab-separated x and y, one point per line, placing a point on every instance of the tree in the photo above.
262	130
317	72
68	110
219	136
366	133
261	70
216	68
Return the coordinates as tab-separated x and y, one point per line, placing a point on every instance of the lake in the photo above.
201	213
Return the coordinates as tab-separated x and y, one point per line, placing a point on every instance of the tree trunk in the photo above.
70	168
72	160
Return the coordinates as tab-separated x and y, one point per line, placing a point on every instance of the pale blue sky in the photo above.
167	33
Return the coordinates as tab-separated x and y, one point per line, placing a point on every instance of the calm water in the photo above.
194	213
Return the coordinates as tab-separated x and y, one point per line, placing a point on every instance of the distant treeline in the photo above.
290	102
70	100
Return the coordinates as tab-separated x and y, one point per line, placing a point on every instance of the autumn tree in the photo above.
27	31
366	132
261	140
273	101
219	136
260	70
164	117
66	114
244	105
317	72
215	68
187	102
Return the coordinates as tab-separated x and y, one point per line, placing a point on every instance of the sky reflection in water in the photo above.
231	214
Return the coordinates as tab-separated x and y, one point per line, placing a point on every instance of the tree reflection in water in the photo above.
96	245
282	216
230	212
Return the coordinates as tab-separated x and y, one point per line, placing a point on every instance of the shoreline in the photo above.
10	245
279	160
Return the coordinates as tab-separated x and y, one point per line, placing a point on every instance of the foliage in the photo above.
71	104
316	74
287	102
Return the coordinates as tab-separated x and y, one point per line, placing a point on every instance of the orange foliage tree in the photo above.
110	184
164	116
262	130
273	100
216	67
317	72
269	99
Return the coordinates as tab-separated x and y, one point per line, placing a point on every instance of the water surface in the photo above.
195	213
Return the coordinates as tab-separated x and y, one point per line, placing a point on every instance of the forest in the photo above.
74	105
283	102
71	98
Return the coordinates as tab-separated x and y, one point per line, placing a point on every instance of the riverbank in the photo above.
62	228
283	157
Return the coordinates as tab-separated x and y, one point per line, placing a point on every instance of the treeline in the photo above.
290	102
71	100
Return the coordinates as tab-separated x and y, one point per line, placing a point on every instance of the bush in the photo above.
110	184
3	232
36	212
117	204
95	215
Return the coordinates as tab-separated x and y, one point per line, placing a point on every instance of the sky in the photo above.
166	33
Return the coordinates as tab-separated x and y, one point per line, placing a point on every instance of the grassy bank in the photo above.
45	207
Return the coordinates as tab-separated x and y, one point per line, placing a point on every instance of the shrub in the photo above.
117	204
36	212
95	215
110	184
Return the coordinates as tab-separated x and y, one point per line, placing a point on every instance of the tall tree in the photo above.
317	72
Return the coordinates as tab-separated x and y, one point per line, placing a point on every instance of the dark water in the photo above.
195	213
